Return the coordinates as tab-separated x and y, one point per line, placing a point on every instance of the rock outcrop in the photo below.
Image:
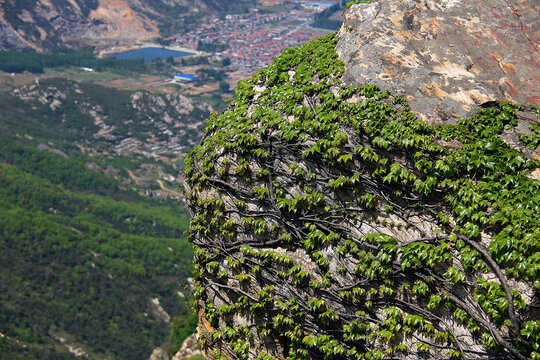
190	348
445	57
330	221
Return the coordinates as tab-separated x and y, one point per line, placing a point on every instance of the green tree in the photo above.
224	87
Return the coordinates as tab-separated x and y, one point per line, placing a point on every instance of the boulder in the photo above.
340	210
446	57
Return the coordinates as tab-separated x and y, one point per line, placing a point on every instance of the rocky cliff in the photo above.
372	195
47	24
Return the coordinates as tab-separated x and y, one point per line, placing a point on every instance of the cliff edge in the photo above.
341	213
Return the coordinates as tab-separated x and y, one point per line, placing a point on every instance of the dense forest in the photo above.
18	61
83	257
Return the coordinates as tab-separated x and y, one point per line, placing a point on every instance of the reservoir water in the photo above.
151	53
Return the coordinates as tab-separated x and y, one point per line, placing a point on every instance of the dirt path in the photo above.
162	186
167	190
132	175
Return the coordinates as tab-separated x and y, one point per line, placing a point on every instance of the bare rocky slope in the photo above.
46	24
372	195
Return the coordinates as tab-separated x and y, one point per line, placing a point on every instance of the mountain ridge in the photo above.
46	24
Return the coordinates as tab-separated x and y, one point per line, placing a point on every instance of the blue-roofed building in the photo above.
317	6
185	77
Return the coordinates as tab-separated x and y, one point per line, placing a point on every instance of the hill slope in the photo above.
79	23
90	266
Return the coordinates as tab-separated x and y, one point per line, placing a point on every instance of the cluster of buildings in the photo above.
254	39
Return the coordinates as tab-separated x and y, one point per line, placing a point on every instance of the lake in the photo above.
151	53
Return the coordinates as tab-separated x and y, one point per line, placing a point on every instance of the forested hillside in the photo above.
89	265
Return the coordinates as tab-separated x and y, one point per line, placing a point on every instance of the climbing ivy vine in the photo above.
337	225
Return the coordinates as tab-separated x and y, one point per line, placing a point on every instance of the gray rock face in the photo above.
446	57
9	39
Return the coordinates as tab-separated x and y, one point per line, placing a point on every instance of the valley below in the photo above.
91	231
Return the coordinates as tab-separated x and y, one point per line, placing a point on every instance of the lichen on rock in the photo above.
446	57
330	222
